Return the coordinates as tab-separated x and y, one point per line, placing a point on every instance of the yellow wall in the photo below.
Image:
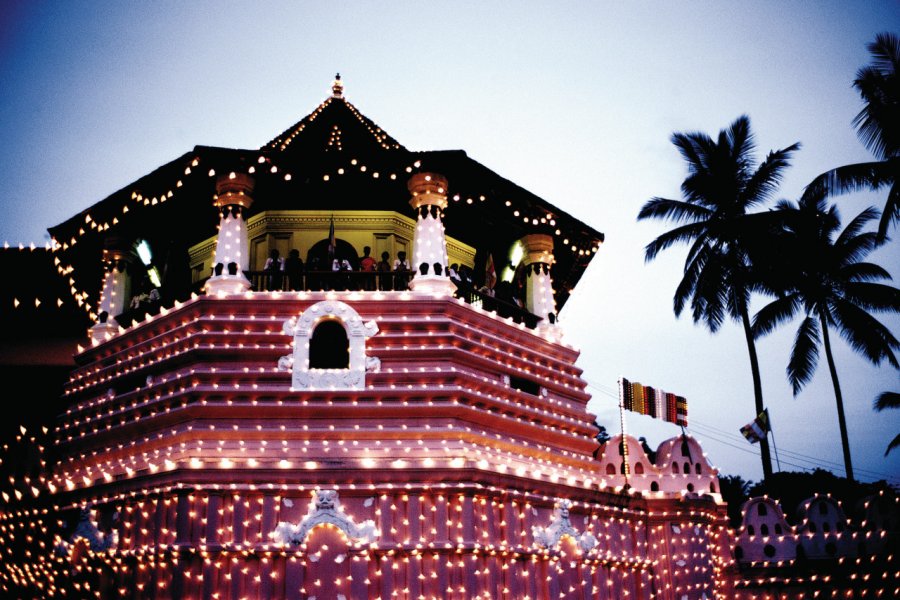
286	230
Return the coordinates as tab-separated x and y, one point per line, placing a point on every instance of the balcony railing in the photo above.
350	281
313	281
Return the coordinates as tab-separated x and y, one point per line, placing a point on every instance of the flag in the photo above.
332	241
490	273
654	402
756	429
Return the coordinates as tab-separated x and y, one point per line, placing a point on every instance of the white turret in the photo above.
429	259
538	285
232	258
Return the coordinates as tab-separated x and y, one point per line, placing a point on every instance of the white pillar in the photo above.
114	295
232	257
429	199
538	285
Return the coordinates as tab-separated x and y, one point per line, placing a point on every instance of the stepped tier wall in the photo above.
192	467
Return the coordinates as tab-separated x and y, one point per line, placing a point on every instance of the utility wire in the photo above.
711	431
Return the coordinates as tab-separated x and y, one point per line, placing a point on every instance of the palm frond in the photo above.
894	443
852	250
765	180
774	314
885	51
740	140
682	234
854	227
876	123
804	354
891	211
693	267
865	334
887	400
673	210
873	296
691	146
863	271
851	178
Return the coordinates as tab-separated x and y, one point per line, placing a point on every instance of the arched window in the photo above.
654	486
698	468
687	468
751	530
329	347
764	529
610	469
712	488
761	509
675	468
778	530
639	468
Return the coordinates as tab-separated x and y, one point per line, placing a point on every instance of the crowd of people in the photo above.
342	274
291	274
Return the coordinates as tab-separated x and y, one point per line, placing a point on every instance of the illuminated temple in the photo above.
235	431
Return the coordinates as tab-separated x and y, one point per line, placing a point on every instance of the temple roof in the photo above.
335	126
334	158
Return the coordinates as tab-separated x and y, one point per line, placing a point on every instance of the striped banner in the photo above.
654	402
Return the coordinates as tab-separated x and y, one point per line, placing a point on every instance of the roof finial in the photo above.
337	88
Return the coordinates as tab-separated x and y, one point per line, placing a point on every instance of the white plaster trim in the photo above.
352	378
227	284
325	508
432	284
550	536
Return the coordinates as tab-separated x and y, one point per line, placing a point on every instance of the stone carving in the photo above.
352	378
325	508
87	530
287	328
286	362
550	536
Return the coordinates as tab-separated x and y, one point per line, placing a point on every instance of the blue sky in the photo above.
574	101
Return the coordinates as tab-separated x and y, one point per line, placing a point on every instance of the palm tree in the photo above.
878	127
835	289
721	186
889	400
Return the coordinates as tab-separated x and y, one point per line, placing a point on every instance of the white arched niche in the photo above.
351	378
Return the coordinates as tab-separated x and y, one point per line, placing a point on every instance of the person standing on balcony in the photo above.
293	268
273	268
402	269
367	264
384	269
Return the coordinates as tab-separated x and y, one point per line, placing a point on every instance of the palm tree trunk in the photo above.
838	398
757	392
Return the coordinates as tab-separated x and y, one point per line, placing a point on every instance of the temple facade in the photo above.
241	424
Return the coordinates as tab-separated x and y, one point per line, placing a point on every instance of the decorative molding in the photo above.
352	378
325	509
559	527
87	530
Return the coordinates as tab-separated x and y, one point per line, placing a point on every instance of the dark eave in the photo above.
305	168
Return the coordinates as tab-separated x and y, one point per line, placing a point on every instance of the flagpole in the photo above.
772	431
624	442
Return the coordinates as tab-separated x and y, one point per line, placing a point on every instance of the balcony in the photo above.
358	281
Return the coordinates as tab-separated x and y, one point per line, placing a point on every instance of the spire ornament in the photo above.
337	87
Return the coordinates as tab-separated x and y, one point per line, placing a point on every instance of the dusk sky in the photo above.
574	101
